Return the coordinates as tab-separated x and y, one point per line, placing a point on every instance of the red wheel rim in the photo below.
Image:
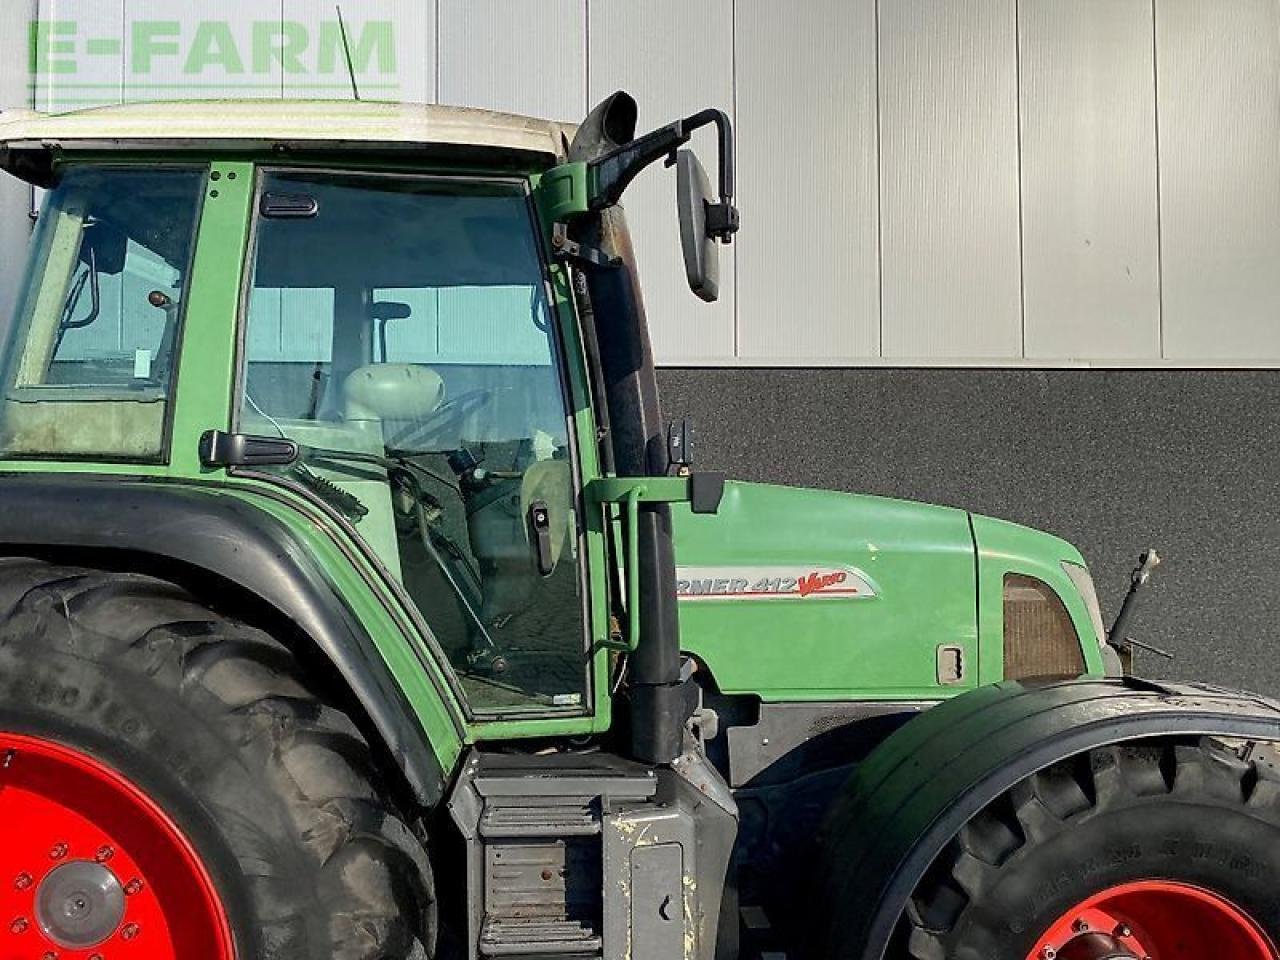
92	869
1156	919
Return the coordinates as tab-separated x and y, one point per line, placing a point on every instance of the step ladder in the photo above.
540	833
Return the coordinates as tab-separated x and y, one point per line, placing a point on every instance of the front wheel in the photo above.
1166	852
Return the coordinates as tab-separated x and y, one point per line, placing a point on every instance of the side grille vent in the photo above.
1039	638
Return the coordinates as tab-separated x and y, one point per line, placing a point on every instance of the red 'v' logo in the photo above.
816	582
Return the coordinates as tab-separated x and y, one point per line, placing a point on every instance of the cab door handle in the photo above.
539	520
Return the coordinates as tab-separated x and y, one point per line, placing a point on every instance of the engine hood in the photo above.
796	594
800	594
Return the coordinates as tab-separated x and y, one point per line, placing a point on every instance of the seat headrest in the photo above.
392	391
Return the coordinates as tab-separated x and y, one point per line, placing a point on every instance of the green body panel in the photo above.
1005	547
206	360
919	559
412	661
562	192
937	574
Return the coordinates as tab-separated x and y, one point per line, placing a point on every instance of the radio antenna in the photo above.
346	50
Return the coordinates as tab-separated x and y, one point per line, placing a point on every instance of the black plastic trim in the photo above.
227	537
706	490
915	792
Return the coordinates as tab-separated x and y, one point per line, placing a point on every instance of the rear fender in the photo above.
240	544
918	788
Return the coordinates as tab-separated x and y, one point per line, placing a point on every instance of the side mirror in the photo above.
701	256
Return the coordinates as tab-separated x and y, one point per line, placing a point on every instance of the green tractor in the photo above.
357	602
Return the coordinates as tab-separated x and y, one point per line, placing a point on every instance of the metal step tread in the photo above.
523	937
567	820
562	776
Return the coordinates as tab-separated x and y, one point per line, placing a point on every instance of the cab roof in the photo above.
30	141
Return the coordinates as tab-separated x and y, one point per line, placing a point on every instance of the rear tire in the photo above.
1179	842
212	721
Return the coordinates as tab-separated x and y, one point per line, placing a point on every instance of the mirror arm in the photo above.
613	173
563	248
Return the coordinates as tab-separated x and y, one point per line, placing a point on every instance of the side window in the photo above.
124	331
400	332
93	352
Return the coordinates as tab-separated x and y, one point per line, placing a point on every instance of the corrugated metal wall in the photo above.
922	181
15	199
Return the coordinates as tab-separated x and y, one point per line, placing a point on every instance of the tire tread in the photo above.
372	872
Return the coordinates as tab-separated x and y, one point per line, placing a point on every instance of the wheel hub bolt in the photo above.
130	931
1123	931
59	851
1048	953
133	887
1080	926
19	925
104	854
23	882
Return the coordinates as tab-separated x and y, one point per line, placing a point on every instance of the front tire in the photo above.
136	723
1166	850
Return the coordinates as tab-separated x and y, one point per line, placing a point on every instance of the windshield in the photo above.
399	330
91	353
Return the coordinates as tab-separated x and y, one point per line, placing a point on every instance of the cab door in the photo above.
402	330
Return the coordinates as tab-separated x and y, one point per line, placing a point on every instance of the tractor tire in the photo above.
1164	850
171	788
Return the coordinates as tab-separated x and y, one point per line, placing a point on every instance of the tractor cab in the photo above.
393	327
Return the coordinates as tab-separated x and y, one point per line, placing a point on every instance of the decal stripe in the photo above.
773	583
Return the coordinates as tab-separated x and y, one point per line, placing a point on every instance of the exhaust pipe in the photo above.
636	436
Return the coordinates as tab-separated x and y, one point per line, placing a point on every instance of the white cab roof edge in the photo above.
256	122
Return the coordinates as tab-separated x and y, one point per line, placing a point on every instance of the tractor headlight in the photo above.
1040	639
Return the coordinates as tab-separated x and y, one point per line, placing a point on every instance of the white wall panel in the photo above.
881	144
393	50
674	57
79	54
808	259
15	197
1091	261
516	56
949	179
197	52
1219	83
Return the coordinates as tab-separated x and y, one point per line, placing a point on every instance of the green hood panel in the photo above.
1004	548
876	587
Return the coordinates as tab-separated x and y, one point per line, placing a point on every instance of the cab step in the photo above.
514	937
535	828
508	821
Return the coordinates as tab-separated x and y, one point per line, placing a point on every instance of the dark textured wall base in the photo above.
1114	461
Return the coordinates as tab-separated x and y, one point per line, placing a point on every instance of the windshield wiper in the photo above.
392	460
348	504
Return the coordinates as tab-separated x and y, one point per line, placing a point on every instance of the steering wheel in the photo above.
447	417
